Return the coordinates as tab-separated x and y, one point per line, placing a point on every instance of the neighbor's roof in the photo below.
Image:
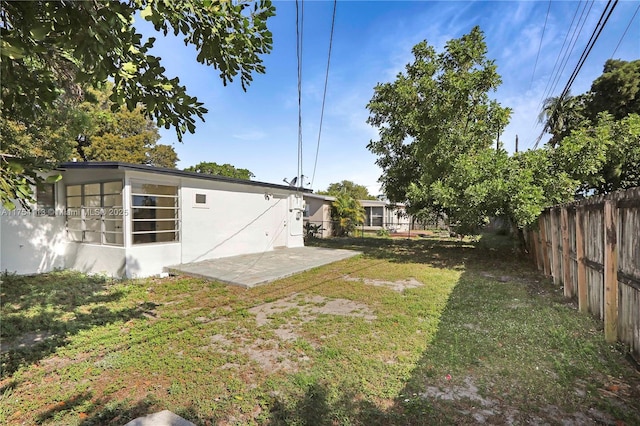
116	165
320	197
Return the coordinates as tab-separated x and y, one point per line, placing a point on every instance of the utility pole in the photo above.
516	143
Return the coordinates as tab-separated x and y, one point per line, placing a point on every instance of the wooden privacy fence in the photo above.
592	248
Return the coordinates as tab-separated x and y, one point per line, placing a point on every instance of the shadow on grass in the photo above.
39	313
452	253
509	349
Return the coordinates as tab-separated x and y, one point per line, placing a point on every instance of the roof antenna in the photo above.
293	181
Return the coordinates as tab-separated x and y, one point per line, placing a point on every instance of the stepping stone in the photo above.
162	418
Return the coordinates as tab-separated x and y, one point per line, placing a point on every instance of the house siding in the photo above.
238	218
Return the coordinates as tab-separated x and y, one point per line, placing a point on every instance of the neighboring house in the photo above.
378	214
383	214
318	211
129	220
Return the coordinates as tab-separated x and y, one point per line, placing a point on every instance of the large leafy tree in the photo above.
595	135
436	112
52	49
359	192
617	90
604	156
227	170
123	135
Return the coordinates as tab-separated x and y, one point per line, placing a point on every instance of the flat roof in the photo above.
117	165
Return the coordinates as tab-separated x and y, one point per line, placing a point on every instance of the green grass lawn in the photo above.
426	331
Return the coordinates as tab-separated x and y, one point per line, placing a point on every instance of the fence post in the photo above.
566	250
610	272
532	246
582	269
555	272
545	247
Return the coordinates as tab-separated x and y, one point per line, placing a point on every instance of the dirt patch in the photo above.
399	286
309	307
274	355
268	354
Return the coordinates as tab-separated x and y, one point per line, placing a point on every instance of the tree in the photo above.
617	90
123	135
50	49
561	114
220	170
359	192
604	156
434	113
473	191
347	214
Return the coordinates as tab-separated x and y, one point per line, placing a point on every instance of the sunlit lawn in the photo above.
412	332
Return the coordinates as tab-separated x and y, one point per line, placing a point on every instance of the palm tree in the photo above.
555	114
347	212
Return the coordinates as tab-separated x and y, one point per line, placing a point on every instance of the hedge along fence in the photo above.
592	248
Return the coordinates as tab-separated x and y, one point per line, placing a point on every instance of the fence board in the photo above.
598	267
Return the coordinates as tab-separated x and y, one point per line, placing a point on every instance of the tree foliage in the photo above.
123	135
617	90
433	113
595	135
560	114
227	170
347	214
51	46
359	192
51	50
603	156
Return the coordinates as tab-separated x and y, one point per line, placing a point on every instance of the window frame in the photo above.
45	210
93	220
138	236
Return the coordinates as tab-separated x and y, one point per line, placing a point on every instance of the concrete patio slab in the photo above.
250	270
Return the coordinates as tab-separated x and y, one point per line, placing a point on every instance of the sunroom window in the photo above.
155	213
95	213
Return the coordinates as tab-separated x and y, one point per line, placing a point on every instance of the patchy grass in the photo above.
422	331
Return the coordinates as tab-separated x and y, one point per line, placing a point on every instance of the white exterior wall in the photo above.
237	219
96	259
31	244
145	260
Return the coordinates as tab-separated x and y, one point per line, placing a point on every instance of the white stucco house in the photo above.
129	220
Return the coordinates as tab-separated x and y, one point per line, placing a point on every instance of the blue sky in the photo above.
372	42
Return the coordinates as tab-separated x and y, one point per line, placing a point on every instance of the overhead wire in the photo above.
625	31
555	69
570	47
324	93
558	69
540	45
299	39
592	41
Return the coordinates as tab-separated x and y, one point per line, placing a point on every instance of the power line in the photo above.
540	45
554	69
572	44
590	44
324	94
299	39
625	31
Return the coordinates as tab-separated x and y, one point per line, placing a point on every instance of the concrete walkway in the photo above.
250	270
